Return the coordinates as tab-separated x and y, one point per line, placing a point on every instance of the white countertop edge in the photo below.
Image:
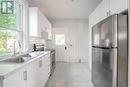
6	75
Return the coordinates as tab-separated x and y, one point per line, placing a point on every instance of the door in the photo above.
60	42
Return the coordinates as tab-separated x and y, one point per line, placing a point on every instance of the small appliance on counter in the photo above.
37	47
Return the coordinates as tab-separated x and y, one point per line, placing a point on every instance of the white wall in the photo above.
78	36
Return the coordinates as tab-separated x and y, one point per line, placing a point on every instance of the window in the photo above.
60	39
10	27
13	20
7	39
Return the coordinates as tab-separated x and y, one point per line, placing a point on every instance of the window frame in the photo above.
57	42
19	29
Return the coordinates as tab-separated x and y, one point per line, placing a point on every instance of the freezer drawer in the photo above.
103	67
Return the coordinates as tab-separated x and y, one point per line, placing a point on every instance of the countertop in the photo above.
7	68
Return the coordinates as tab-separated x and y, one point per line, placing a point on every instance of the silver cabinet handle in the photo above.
40	63
25	75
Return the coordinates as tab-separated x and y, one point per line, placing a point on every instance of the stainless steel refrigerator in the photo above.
110	52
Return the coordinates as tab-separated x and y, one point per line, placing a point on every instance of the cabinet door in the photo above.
47	27
17	79
49	30
33	22
34	75
48	67
45	69
44	22
100	13
102	10
43	73
117	6
40	23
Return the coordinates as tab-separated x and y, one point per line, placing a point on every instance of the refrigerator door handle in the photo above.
104	47
114	67
114	33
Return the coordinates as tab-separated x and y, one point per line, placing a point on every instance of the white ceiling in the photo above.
66	9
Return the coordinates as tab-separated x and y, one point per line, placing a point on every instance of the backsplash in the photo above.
35	40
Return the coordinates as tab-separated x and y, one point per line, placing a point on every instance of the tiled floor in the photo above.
70	75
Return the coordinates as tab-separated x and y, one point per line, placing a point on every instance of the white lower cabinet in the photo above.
45	73
16	80
34	74
39	72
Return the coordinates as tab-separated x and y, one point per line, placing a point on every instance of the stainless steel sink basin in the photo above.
14	60
22	58
19	59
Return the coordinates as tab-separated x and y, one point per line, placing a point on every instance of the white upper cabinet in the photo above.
100	13
49	30
107	8
117	6
39	24
34	27
47	27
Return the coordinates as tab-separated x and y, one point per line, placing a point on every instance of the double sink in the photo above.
22	58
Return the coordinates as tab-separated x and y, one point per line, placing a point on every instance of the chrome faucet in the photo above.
19	44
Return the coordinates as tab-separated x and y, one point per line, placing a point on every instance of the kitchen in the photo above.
49	43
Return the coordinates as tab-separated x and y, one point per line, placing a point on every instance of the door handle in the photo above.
40	63
65	48
25	75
